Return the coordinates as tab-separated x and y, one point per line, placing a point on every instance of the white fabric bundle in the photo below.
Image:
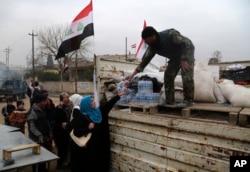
218	94
203	86
237	95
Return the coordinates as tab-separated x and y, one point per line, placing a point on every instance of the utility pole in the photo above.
126	49
33	54
7	51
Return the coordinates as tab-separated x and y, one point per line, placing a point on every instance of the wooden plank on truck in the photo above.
243	117
139	108
233	112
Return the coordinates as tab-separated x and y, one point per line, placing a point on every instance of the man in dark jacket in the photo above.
180	52
61	130
38	125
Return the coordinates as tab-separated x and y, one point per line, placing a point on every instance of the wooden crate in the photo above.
243	115
139	108
233	112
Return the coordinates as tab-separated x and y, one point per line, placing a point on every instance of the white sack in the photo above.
218	94
226	81
115	77
178	81
178	95
203	86
237	95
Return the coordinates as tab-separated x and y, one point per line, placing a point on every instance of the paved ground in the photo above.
52	167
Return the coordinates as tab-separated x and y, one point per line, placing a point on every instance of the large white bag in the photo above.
203	86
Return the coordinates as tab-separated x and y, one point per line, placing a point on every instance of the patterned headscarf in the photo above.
86	109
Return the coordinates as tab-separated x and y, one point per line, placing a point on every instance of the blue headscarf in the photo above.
86	109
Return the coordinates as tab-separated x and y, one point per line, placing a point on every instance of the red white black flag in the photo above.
65	66
81	27
142	46
133	46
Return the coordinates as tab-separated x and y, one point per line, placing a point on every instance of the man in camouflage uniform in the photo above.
180	52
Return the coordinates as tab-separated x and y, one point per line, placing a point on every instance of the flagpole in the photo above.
126	49
61	78
76	73
71	41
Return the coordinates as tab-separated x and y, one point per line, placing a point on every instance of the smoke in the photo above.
5	72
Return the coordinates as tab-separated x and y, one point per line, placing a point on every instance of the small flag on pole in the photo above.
133	46
81	27
65	67
142	46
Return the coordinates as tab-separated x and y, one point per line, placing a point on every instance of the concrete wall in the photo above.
70	87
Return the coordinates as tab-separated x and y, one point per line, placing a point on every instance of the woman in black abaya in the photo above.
89	118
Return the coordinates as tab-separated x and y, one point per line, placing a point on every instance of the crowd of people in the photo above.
48	123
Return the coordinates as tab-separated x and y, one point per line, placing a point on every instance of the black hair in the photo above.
9	100
62	96
36	83
19	102
148	31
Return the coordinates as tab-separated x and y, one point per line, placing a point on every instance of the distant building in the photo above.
85	68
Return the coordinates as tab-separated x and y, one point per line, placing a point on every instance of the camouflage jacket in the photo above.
173	46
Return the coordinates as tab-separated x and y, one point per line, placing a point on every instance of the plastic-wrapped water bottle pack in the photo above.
144	96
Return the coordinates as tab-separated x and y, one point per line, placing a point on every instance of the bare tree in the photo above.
50	38
50	62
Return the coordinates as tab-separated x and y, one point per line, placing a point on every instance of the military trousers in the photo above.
170	74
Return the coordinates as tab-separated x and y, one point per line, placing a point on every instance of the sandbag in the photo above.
218	94
203	86
226	81
237	95
178	81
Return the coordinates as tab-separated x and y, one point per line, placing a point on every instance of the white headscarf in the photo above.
75	99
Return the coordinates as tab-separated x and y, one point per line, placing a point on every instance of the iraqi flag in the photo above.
65	67
133	46
81	27
142	46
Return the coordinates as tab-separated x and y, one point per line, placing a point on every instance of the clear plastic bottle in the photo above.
149	86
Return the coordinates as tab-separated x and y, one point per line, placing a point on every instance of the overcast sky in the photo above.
212	25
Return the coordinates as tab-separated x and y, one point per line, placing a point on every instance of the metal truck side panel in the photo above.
142	142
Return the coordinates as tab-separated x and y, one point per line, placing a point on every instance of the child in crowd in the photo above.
6	110
18	117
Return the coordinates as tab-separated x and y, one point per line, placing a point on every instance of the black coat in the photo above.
61	135
61	114
96	155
